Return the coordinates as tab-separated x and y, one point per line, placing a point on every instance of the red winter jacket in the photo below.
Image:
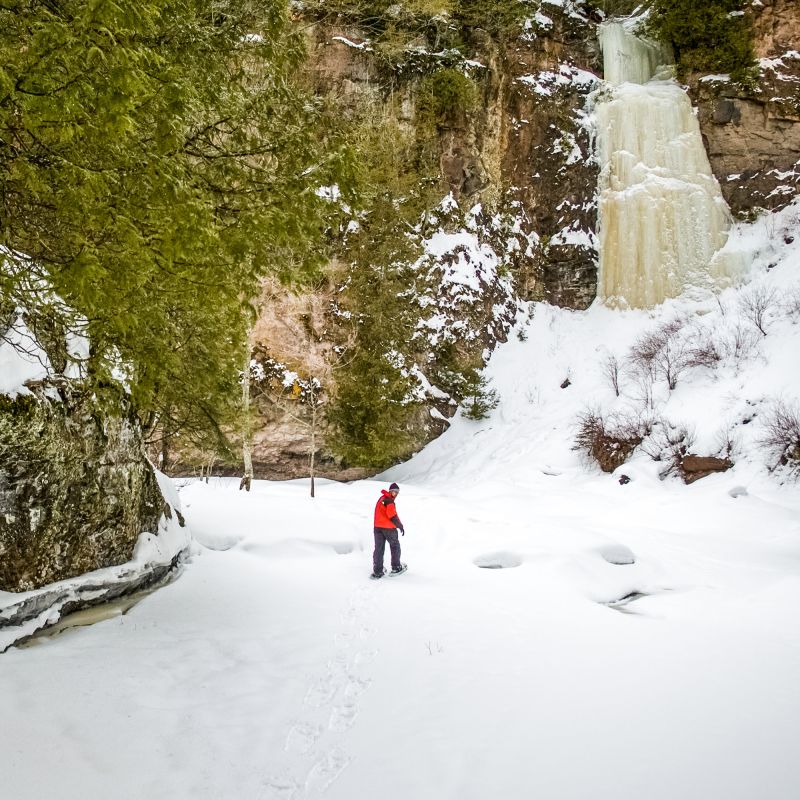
386	513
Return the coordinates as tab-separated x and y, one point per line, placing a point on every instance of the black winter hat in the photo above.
394	488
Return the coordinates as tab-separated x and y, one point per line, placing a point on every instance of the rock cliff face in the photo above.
530	139
76	490
548	150
84	518
297	328
526	147
753	135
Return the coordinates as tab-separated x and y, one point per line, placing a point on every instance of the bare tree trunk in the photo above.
166	439
207	468
313	437
247	422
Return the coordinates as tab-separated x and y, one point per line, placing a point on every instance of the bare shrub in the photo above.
668	443
741	344
644	353
609	442
703	351
758	306
790	305
662	352
611	371
781	435
727	443
644	384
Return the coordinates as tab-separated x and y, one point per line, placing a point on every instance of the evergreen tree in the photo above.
712	36
156	159
372	410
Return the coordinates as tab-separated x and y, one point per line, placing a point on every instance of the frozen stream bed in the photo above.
274	668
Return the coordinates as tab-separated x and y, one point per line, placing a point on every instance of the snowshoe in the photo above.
400	571
376	575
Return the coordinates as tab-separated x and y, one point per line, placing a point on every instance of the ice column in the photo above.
662	216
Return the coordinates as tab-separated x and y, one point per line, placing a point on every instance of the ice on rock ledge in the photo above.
663	220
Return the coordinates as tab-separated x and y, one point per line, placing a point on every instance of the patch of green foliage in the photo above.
501	19
400	32
376	413
157	159
617	8
445	96
394	27
455	372
373	412
477	405
712	36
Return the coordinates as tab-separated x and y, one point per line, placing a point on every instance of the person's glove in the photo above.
402	531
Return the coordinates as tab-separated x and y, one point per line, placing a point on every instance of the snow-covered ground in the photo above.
274	668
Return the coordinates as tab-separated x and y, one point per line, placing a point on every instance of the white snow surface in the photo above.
21	359
274	668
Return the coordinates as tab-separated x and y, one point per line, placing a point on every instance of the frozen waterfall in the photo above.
662	216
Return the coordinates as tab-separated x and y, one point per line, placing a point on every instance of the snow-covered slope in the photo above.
631	641
728	375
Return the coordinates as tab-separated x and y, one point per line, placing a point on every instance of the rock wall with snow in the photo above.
530	139
753	134
548	160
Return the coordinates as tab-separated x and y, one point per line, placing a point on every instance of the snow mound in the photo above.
501	560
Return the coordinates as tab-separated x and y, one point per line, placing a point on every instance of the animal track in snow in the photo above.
326	771
302	737
330	707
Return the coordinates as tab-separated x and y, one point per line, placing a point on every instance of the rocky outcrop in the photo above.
530	140
84	519
297	326
752	135
76	491
694	467
776	25
548	151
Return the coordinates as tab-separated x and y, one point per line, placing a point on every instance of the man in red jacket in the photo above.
387	523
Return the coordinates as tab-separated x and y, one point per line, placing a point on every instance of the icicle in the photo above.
662	215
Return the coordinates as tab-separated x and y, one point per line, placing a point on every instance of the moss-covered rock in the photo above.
76	490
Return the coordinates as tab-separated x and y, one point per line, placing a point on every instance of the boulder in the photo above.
76	491
694	467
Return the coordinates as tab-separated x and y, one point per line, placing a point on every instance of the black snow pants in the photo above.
383	535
